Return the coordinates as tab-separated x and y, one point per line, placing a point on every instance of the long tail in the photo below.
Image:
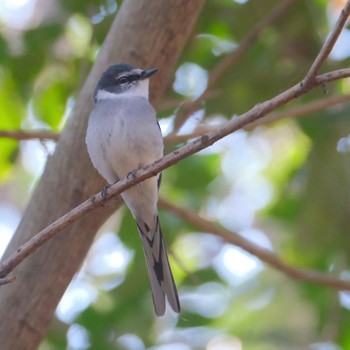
159	272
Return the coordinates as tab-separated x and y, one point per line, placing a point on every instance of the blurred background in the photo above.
283	185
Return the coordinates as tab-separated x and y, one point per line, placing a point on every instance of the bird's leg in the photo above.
132	175
104	192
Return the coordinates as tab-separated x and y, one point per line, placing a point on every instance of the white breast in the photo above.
123	135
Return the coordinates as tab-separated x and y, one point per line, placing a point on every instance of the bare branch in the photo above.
69	177
304	110
306	275
171	138
29	135
294	112
329	44
49	232
199	144
330	76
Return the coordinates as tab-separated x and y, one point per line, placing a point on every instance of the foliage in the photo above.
283	185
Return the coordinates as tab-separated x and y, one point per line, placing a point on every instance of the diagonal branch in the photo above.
304	110
329	44
199	144
306	275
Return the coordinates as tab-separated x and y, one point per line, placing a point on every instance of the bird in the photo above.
123	135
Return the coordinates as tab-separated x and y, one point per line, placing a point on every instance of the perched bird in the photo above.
123	134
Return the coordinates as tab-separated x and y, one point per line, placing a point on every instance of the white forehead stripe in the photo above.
131	72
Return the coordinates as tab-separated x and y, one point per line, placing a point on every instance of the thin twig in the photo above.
304	110
329	44
171	138
294	112
263	254
228	61
29	135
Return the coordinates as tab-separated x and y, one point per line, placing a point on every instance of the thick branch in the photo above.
263	254
69	178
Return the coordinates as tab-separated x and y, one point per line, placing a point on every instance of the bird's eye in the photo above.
122	80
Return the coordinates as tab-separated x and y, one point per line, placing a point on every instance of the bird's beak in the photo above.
147	73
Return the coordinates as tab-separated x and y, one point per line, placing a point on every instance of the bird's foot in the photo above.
104	192
132	176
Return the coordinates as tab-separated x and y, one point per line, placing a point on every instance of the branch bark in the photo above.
265	255
30	135
329	44
306	109
144	33
204	141
28	305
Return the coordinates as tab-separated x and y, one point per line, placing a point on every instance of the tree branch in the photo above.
199	144
304	110
306	275
69	178
329	44
294	112
200	130
29	135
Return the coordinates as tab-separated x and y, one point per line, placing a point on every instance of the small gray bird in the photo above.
123	135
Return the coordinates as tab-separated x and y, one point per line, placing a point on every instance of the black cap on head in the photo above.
116	69
108	78
121	77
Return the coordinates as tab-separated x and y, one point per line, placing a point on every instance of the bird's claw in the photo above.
132	176
104	192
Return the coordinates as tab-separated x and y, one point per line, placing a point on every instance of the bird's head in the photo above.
123	80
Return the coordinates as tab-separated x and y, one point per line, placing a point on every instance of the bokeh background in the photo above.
282	185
